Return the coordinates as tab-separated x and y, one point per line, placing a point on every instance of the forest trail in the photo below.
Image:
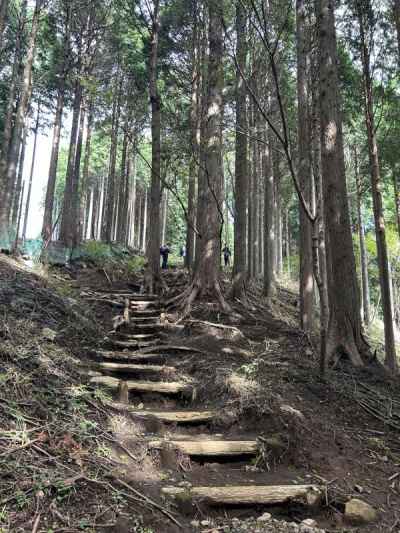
213	444
206	463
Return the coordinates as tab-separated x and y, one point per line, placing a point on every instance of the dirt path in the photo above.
196	452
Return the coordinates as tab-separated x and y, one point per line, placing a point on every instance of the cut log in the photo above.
131	356
143	312
144	297
144	319
173	348
309	495
209	448
172	417
137	336
163	387
134	368
134	344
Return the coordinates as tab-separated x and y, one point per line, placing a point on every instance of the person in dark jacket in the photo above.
164	252
227	255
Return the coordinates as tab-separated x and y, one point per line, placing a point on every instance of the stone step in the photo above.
136	368
172	417
162	387
209	447
309	495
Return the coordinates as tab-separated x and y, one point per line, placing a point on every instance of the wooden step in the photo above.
135	368
310	495
148	327
141	319
162	387
134	344
132	357
142	312
143	304
143	297
209	447
134	336
172	417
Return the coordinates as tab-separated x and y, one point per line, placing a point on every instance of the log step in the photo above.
209	448
142	312
134	344
172	417
163	387
131	356
143	297
135	368
309	495
141	319
135	336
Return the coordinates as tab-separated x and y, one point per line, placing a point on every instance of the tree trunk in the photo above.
363	251
52	178
28	196
195	138
110	206
67	216
344	330
396	196
18	185
269	279
123	195
8	174
3	17
304	170
85	188
376	182
206	278
396	12
153	250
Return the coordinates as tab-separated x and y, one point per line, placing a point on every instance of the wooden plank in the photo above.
172	417
163	387
310	495
210	447
129	367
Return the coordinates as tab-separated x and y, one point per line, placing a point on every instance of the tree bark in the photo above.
28	196
345	329
153	249
269	278
206	278
304	170
85	188
363	251
18	185
3	17
396	13
8	173
195	138
111	203
376	182
67	216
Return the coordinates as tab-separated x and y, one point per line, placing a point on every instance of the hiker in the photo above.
182	251
164	252
227	255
